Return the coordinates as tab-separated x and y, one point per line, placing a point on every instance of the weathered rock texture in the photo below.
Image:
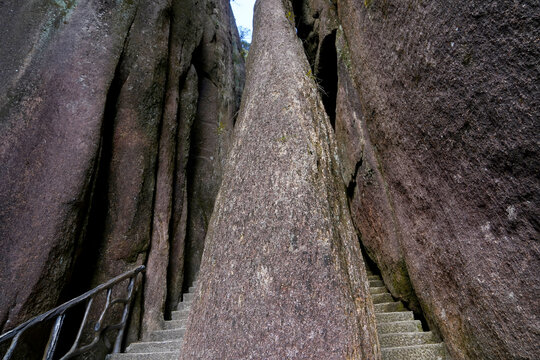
52	109
437	126
282	275
97	103
219	101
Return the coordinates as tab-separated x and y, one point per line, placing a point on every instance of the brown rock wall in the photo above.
96	111
282	274
219	65
436	121
52	103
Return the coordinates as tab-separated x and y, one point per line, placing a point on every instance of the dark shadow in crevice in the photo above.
351	187
327	75
88	252
372	266
189	252
304	30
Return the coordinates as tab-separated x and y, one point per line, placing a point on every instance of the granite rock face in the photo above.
437	122
282	275
219	101
52	105
97	103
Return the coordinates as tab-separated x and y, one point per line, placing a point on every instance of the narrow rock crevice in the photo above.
85	266
86	254
327	76
190	265
351	186
178	226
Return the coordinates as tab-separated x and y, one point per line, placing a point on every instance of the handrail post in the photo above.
13	345
59	314
53	339
120	337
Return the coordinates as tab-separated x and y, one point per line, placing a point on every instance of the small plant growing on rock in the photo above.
290	17
220	128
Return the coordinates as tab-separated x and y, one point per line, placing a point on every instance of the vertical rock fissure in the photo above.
327	76
190	264
84	268
188	99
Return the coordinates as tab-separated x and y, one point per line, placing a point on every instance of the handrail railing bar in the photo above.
62	308
119	301
13	345
98	334
118	343
83	348
97	329
53	339
81	328
105	308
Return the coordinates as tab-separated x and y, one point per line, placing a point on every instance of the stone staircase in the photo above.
164	344
400	335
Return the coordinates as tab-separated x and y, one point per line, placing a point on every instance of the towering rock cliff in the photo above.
413	124
436	118
282	274
99	102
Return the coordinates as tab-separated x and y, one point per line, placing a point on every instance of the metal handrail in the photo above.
60	312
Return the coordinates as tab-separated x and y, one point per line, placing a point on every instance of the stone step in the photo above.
164	335
172	355
389	307
374	277
174	324
375	283
192	289
184	305
378	290
382	298
394	316
407	339
188	297
180	315
416	352
399	326
154	346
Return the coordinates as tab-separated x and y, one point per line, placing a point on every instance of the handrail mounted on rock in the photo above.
60	313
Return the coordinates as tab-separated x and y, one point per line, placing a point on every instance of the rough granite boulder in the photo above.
437	127
97	103
282	275
56	66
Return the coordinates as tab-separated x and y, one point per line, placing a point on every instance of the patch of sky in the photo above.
243	14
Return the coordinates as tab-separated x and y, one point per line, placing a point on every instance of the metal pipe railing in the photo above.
59	314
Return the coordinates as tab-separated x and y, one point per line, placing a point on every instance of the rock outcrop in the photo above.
282	274
437	123
52	109
413	124
98	103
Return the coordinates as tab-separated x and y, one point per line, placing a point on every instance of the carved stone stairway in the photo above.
401	336
164	344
